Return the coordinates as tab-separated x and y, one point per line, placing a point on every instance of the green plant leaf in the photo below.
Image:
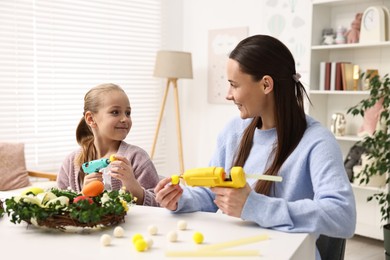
377	146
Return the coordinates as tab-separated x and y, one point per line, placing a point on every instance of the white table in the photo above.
19	241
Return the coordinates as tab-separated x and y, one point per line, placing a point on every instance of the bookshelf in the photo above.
332	14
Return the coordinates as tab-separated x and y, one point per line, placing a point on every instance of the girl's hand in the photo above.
95	176
122	170
231	200
168	195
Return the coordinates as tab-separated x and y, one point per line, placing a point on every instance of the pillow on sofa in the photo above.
13	173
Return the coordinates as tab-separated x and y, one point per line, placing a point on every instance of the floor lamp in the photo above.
172	65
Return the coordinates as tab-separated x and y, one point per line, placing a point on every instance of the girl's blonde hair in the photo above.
92	102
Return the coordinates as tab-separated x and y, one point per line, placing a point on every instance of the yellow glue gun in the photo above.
216	177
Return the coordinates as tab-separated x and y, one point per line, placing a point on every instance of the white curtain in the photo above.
53	51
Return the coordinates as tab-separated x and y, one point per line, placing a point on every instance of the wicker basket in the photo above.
104	210
64	221
1	209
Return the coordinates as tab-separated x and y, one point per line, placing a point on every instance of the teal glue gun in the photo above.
97	165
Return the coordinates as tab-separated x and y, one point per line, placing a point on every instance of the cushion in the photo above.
13	173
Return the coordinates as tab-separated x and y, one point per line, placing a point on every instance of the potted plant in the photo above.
377	145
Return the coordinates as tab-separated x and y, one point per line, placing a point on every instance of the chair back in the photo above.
331	248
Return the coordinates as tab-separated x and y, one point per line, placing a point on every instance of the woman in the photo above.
273	137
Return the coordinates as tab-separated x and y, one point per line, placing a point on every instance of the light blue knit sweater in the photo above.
315	195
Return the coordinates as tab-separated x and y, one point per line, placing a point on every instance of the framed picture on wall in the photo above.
221	42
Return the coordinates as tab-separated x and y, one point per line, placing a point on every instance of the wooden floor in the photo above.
362	248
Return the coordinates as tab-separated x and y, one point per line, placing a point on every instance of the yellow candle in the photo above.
232	243
264	177
212	253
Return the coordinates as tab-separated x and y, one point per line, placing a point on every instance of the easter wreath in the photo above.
1	209
61	209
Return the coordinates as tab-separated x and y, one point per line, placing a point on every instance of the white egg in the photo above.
172	236
119	232
152	229
182	225
149	242
105	240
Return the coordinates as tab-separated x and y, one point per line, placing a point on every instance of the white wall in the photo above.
189	25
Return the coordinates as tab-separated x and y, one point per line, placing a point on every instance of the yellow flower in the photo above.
124	205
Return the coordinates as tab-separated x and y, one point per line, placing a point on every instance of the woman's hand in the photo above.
231	200
168	195
122	170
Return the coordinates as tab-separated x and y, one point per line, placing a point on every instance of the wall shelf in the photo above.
332	14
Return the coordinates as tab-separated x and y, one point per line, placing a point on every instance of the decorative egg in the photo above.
149	241
93	189
45	197
140	245
79	198
34	190
175	179
172	236
64	201
198	237
182	225
105	240
152	229
118	232
135	237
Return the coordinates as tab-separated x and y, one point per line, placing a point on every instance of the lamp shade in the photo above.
173	64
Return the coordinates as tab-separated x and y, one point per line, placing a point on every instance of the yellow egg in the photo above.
140	245
35	190
136	237
175	179
112	157
198	237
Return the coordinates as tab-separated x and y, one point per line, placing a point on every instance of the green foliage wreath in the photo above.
1	209
63	208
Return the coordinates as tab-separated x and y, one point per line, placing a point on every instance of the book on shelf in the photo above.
347	76
325	75
322	76
336	76
333	76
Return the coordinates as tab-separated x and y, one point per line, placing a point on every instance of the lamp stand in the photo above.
178	128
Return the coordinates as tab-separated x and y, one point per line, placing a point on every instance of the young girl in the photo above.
100	133
273	137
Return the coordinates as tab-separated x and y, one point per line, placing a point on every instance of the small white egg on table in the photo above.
149	242
172	236
152	229
182	224
119	232
105	240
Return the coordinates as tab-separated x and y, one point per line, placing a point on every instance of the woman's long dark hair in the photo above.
262	55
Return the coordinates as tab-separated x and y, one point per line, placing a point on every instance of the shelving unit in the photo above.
332	14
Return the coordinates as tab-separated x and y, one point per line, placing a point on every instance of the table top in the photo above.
21	241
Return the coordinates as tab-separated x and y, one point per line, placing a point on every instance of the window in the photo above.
53	51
